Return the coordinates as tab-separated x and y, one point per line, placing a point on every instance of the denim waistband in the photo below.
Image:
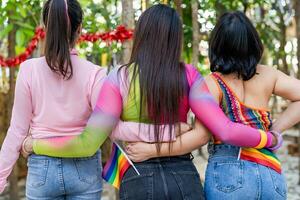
186	157
97	154
223	150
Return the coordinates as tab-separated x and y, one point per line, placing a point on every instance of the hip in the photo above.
228	177
52	177
163	178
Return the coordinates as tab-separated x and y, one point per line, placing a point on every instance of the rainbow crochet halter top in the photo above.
256	118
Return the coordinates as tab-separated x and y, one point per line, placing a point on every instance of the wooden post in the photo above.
195	57
282	54
298	141
178	4
220	8
13	190
297	19
128	21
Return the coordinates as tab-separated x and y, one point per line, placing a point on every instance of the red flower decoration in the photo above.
120	35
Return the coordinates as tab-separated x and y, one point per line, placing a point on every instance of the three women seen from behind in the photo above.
157	89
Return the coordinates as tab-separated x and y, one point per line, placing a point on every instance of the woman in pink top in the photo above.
55	96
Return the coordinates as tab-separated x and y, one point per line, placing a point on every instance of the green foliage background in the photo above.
103	15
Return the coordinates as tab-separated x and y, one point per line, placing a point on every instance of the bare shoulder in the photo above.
266	71
265	80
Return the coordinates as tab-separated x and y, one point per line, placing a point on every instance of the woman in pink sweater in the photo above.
156	88
55	96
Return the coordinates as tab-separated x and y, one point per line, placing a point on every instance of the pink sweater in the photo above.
48	105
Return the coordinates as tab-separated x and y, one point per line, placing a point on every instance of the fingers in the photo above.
128	150
24	154
185	127
131	143
132	156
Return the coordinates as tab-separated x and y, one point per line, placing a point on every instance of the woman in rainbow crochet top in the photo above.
156	88
242	88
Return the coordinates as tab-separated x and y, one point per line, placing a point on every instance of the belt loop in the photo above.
211	148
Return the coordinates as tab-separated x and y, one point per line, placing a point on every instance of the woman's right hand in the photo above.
277	140
140	151
274	140
184	128
27	147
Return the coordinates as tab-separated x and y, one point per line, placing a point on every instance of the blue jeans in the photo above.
228	178
169	178
52	178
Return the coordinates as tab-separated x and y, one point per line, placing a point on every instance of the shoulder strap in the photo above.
213	77
227	90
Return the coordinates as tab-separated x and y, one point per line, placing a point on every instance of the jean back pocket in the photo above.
37	171
89	169
137	187
279	182
228	175
189	184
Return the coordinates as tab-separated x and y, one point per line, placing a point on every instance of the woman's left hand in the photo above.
140	151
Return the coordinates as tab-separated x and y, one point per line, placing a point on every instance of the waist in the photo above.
39	133
217	150
170	159
97	155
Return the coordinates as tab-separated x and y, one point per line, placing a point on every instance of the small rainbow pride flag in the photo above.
116	166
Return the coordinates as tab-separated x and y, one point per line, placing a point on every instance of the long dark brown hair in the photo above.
62	19
155	59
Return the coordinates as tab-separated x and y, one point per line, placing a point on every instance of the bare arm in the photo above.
184	144
288	88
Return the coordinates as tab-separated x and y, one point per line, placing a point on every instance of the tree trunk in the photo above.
282	53
246	6
195	57
178	4
14	190
297	18
128	21
299	148
220	8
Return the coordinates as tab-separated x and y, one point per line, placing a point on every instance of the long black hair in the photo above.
62	19
235	46
155	59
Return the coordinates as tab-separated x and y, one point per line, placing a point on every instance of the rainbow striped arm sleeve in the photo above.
210	114
100	124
